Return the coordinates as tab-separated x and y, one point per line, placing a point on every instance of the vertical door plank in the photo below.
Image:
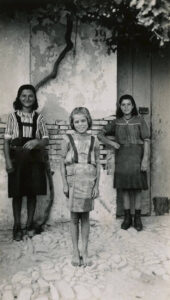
160	165
124	78
142	95
124	81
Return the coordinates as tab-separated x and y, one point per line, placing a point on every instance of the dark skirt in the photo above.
128	174
29	176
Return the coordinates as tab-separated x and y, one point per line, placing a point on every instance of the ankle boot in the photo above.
137	220
17	233
127	220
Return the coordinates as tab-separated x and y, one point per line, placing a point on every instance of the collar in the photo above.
25	114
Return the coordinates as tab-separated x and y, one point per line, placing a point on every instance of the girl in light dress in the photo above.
80	170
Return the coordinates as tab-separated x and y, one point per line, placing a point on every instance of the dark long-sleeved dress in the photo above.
130	134
29	175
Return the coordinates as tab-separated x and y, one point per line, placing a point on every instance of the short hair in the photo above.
17	103
119	112
80	110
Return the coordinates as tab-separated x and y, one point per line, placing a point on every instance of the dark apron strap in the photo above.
74	148
90	149
34	125
19	125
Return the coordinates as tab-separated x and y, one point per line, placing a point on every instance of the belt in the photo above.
130	145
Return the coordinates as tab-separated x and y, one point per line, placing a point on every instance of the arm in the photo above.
105	140
9	166
39	143
7	140
36	143
95	193
108	130
144	164
64	177
64	149
146	138
97	158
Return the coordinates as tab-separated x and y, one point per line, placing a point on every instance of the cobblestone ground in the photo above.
127	265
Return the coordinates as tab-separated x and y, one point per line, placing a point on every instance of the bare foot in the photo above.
86	260
76	259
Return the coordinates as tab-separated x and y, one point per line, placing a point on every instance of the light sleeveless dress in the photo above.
80	164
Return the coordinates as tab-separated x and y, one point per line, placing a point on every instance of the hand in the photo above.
144	165
31	144
9	166
115	145
95	192
66	189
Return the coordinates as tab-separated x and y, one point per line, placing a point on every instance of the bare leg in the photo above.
85	230
127	222
31	205
74	228
137	219
137	197
126	199
16	205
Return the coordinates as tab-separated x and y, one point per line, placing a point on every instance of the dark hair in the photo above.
119	112
17	103
80	110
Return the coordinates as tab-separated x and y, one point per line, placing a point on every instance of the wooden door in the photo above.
134	77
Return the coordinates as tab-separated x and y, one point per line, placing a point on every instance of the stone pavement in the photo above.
127	265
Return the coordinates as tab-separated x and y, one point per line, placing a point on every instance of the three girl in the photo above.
131	158
80	171
25	138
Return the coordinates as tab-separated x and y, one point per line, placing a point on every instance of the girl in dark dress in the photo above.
25	138
131	158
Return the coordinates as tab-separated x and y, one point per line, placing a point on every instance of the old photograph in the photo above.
84	149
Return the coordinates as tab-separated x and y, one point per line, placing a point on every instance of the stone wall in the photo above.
57	130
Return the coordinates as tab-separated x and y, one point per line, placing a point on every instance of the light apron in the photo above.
81	178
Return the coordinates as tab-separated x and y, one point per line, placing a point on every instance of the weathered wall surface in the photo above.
14	58
86	79
28	52
15	66
160	164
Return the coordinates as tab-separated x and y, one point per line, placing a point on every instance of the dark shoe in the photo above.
38	229
30	231
137	220
127	220
17	233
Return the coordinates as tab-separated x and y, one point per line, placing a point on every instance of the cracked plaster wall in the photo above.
86	79
27	54
15	70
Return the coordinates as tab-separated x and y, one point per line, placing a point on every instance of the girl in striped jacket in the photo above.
25	138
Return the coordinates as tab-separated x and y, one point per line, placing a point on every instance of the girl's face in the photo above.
27	99
126	107
80	123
